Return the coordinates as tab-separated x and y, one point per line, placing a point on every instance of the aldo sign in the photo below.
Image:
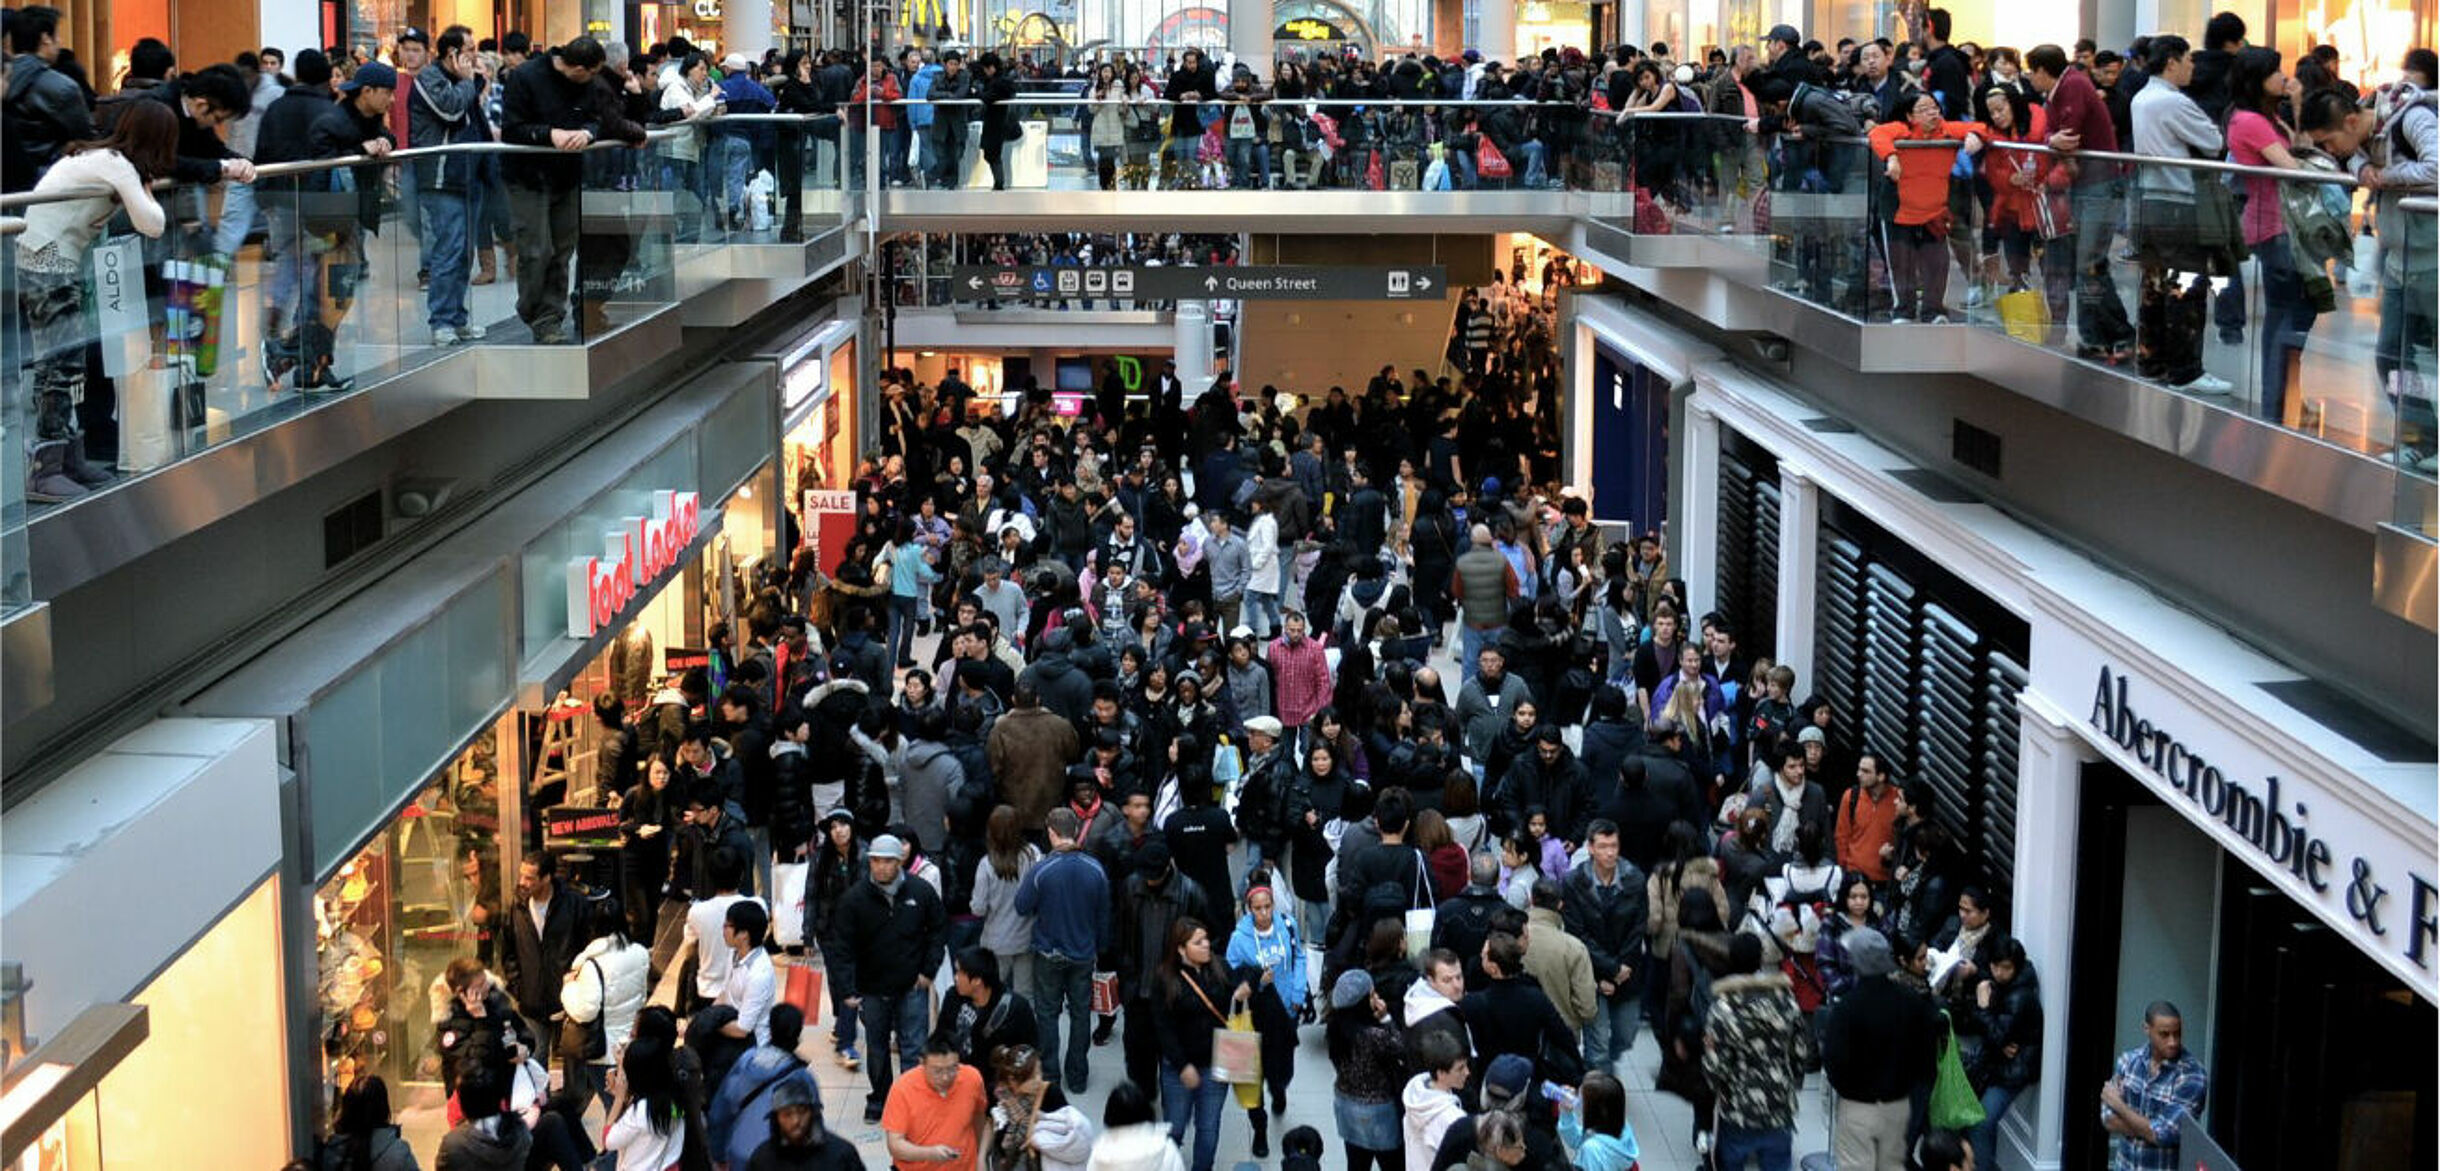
636	551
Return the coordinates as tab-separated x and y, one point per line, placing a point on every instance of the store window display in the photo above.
423	892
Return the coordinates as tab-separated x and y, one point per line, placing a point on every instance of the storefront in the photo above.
120	1029
2164	813
428	723
818	377
2238	864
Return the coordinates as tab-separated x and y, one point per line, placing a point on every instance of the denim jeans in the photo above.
1985	1136
2286	318
902	629
237	209
1063	985
1262	613
1249	163
908	1015
1537	162
446	256
1462	172
1610	1035
1735	1146
1470	643
736	157
894	154
1204	1103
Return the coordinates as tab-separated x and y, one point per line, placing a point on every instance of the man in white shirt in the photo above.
706	920
752	985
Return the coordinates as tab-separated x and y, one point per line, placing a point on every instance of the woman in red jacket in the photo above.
1918	256
2028	200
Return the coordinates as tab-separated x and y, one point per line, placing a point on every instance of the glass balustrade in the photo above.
2326	330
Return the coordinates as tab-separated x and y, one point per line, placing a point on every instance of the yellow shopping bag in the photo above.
1237	1058
2026	315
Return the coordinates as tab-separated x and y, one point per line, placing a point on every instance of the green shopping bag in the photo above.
1955	1105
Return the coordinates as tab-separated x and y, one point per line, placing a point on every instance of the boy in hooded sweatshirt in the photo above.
1430	1100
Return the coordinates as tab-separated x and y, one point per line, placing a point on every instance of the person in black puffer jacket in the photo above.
2001	1039
792	812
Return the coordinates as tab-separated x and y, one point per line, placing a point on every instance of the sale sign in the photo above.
635	553
828	523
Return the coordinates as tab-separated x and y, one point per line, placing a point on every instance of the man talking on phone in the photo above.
937	1116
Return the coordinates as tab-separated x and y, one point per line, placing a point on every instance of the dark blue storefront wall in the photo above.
1630	464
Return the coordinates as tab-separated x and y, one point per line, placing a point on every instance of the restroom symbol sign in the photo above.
1399	283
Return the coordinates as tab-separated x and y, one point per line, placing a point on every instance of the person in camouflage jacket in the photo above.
1756	1049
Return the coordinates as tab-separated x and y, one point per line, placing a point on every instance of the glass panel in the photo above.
16	580
627	256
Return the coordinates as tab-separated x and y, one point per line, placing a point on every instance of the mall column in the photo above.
1498	22
1800	507
747	24
2049	814
1194	347
1698	485
1250	24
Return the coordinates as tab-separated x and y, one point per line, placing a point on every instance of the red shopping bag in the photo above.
805	990
1105	992
1374	180
1491	163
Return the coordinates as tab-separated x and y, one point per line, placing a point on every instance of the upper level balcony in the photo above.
213	375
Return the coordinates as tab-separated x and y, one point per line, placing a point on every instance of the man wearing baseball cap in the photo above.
894	930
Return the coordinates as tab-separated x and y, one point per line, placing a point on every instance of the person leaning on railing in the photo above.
557	100
2391	142
50	266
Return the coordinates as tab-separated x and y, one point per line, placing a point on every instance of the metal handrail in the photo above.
307	166
2419	203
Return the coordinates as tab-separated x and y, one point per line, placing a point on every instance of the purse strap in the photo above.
1189	978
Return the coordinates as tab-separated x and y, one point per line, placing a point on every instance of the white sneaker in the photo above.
472	333
444	336
1938	319
1974	297
2207	383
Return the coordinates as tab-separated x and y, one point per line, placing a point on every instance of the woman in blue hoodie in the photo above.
1597	1128
1267	953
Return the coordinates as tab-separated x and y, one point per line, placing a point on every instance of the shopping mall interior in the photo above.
373	527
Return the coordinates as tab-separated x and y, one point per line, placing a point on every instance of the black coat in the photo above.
280	136
1008	1020
1879	1041
1608	921
891	940
1463	923
1513	1015
534	961
1558	788
2014	1018
539	99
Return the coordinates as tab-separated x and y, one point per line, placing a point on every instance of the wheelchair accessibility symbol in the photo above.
1042	282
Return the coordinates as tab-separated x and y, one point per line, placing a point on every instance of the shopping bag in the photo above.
788	902
1419	923
2027	315
1405	175
1436	176
1237	1052
1490	163
1249	1090
805	990
1105	992
1955	1105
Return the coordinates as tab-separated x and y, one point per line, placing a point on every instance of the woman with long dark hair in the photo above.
605	987
1006	858
2260	134
648	1110
364	1137
837	866
51	263
1196	998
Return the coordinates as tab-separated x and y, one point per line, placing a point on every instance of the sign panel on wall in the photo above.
1411	282
636	551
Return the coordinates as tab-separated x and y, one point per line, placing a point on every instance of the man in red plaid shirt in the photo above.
1300	673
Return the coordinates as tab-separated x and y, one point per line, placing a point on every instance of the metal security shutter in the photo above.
1838	623
1889	665
2003	679
1748	589
1924	671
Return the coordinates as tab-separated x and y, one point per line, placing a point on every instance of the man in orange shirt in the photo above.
937	1117
1868	822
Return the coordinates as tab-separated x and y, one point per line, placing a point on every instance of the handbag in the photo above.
1955	1105
587	1040
1105	993
2026	314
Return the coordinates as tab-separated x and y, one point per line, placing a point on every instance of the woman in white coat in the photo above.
608	982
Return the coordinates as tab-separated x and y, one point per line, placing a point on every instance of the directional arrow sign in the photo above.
1238	282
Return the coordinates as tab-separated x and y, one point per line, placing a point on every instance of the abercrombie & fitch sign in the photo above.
2391	906
635	551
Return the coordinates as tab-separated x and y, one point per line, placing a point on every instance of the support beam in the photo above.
1800	511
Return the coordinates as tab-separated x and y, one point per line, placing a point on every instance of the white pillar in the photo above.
1799	540
1497	20
1194	347
1697	555
1250	24
746	26
2049	812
